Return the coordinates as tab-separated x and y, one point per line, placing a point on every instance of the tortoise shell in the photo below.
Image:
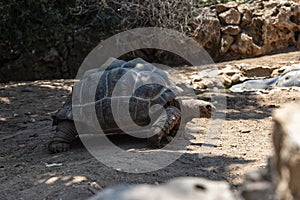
121	91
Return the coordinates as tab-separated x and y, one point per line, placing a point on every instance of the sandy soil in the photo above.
25	126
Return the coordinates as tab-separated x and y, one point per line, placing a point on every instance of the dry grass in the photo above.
174	14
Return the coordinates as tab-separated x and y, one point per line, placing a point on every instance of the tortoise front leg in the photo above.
64	135
164	124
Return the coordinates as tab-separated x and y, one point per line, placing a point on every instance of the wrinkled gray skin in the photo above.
143	98
287	79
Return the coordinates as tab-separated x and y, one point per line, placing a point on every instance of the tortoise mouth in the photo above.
210	113
210	110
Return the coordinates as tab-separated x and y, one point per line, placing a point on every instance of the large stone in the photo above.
286	139
230	70
254	85
177	189
285	69
244	45
236	78
289	79
246	15
246	19
226	42
231	16
226	80
231	30
258	71
259	184
223	7
207	31
244	8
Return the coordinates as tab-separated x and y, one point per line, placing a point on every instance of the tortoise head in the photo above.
194	107
206	108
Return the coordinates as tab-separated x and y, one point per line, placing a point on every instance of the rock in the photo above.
196	77
226	80
246	19
259	184
231	16
285	69
235	78
289	78
226	42
298	42
242	66
279	71
211	79
208	83
243	8
258	71
244	45
281	178
223	7
207	31
254	85
230	70
286	139
260	190
199	86
231	30
177	189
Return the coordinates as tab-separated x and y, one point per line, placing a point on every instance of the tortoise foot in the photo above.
164	124
57	147
169	138
154	141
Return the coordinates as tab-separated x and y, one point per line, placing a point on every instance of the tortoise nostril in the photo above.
208	107
200	187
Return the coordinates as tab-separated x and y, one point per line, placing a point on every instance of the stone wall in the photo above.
256	29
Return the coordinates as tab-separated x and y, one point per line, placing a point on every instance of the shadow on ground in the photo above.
24	172
244	106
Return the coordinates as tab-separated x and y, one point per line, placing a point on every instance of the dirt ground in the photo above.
28	170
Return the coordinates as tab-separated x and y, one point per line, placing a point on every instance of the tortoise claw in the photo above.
169	138
154	141
57	147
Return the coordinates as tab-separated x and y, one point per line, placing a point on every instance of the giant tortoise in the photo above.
150	85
